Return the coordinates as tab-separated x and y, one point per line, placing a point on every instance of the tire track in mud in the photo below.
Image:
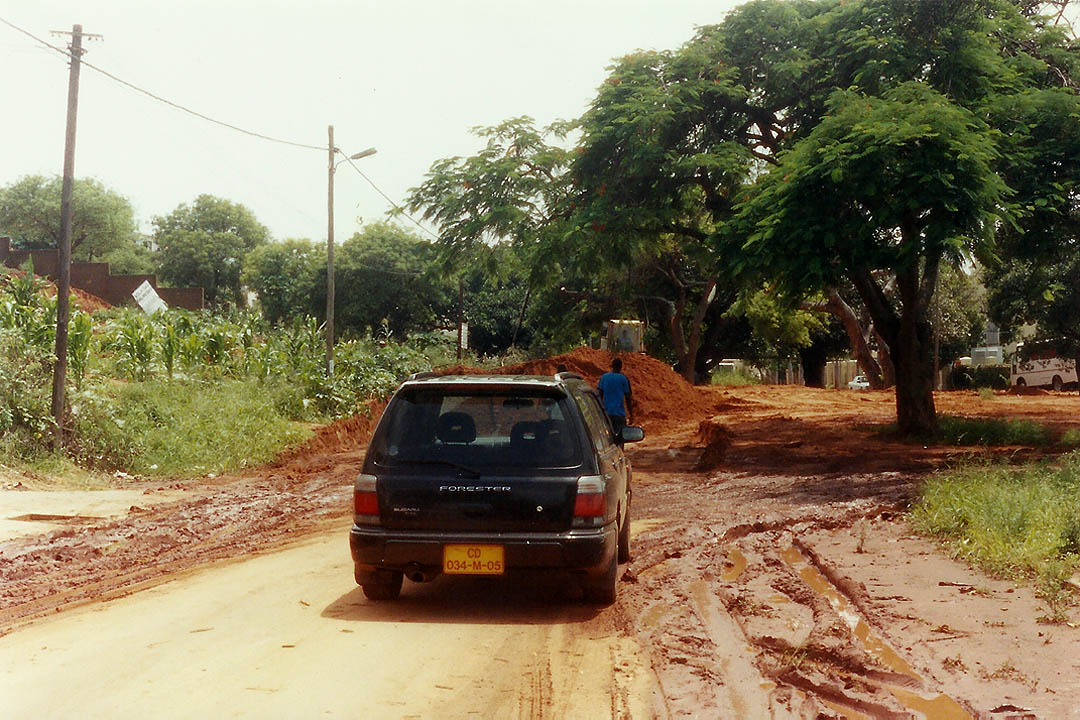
761	632
840	660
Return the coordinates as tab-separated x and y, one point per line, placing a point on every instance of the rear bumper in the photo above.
585	550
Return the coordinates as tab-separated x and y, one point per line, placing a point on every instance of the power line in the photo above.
387	198
230	126
160	99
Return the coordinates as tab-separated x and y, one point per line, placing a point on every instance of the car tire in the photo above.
1056	383
384	585
1021	382
600	589
624	539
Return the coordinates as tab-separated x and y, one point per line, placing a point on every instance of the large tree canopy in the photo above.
204	244
286	277
385	281
1038	282
900	183
102	221
880	159
804	146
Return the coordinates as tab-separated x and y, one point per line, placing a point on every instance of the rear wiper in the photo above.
448	463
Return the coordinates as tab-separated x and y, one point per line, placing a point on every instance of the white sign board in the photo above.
148	298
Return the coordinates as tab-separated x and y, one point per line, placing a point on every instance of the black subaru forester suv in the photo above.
481	475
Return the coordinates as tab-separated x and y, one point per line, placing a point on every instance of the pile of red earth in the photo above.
82	299
341	435
716	439
662	397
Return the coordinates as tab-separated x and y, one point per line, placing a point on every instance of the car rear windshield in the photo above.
478	430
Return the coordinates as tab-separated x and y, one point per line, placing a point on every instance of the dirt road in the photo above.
289	635
777	580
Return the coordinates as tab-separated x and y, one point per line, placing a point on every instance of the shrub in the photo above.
184	427
967	377
954	430
981	431
25	393
733	377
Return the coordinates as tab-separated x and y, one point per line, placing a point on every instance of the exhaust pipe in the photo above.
418	574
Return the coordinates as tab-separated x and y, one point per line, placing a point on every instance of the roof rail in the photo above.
422	375
568	376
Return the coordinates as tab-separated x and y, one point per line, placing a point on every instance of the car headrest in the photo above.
528	433
456	427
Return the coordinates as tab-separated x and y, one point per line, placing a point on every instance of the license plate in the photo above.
473	560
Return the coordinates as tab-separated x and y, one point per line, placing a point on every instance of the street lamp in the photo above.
331	167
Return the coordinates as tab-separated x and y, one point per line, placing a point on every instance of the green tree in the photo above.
957	314
205	243
512	195
660	163
1038	280
902	183
286	277
877	159
386	279
102	221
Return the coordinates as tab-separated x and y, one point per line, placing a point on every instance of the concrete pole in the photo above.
330	255
63	285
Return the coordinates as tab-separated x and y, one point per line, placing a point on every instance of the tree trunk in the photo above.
694	342
909	340
814	359
858	336
915	413
884	356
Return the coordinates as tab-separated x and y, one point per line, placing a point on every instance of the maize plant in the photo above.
191	351
80	338
132	338
168	343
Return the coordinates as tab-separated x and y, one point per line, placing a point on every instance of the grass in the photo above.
734	377
982	431
185	427
1012	522
49	471
953	430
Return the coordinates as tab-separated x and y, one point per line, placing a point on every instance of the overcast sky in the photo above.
409	77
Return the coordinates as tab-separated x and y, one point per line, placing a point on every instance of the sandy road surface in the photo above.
289	635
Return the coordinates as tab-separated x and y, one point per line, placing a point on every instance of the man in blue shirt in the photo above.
614	390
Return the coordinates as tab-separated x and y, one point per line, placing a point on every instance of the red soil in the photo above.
84	300
663	399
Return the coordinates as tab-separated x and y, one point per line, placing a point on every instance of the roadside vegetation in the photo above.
994	432
179	393
1013	522
734	377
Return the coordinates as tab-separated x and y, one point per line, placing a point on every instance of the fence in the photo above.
96	279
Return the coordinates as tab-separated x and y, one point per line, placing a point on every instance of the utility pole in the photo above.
63	285
330	255
330	167
460	315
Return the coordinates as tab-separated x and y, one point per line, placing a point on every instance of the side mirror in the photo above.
633	433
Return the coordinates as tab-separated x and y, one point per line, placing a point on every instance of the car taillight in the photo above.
365	500
590	505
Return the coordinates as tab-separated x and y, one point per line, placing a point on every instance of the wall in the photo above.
96	279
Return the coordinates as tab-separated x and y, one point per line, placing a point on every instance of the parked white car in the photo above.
859	383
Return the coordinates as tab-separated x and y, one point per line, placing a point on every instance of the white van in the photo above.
1044	367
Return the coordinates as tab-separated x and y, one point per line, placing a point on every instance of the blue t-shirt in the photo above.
613	388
